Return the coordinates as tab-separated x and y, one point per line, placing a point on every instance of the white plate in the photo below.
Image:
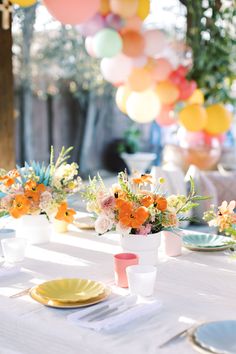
218	337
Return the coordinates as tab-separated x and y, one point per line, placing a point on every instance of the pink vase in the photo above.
172	244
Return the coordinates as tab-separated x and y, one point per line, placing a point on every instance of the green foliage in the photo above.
131	142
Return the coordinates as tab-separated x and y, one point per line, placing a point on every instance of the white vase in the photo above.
146	247
172	243
140	161
35	228
60	226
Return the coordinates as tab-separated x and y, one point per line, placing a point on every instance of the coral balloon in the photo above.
92	26
72	12
143	9
143	107
116	69
122	95
139	80
124	8
104	8
24	3
167	92
166	116
193	117
162	69
186	89
218	119
89	46
196	97
155	42
107	43
133	43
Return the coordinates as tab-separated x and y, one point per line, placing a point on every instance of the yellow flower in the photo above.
161	180
71	185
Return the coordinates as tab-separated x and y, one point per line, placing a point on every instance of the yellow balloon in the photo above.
104	7
143	107
124	8
197	97
193	117
218	119
24	3
143	9
122	95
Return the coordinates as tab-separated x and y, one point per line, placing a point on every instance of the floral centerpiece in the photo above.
39	190
222	217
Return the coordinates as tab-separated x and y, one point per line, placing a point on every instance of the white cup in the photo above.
6	234
14	249
141	279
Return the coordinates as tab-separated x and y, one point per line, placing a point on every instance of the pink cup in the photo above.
121	262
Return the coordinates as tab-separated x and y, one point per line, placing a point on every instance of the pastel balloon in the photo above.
139	80
167	92
72	12
116	69
122	95
104	8
155	42
92	26
89	46
124	8
114	21
139	62
186	89
162	69
133	23
143	107
133	43
166	116
175	78
196	97
193	117
107	43
210	139
218	119
143	9
24	3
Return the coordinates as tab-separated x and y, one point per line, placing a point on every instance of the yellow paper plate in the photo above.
70	289
70	305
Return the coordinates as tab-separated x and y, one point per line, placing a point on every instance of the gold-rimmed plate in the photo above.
62	305
70	289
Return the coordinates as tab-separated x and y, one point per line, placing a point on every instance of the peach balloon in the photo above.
133	23
166	116
162	69
122	95
143	9
218	119
139	62
167	92
139	80
193	117
72	12
104	8
155	42
124	8
133	43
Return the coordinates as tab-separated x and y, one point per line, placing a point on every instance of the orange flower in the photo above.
133	217
123	204
34	190
20	206
143	179
65	214
160	203
147	200
9	179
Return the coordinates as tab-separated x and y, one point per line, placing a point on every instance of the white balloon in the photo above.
116	69
139	62
155	42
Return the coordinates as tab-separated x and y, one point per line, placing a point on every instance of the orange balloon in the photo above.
167	92
139	80
104	7
193	117
124	8
133	44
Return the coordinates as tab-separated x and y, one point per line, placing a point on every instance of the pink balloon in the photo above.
186	89
155	42
89	46
162	69
139	62
211	140
72	12
92	26
114	21
133	23
166	117
116	69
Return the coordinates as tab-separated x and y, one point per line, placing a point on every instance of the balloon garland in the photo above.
135	61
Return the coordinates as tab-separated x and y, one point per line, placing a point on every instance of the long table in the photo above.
196	286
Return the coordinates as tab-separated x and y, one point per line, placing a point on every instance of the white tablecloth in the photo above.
195	286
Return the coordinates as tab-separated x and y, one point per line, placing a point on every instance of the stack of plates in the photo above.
215	337
70	293
206	242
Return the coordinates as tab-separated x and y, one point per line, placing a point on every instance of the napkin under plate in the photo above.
9	269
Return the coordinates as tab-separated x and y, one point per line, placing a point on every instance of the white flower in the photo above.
103	224
122	230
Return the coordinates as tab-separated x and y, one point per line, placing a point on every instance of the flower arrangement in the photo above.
38	189
222	217
136	205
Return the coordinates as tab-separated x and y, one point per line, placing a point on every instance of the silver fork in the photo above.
179	334
20	293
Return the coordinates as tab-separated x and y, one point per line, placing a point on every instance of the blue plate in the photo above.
218	337
205	240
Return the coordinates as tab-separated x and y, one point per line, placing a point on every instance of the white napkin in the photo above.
9	269
134	311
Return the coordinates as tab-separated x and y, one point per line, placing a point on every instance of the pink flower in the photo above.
6	202
108	203
103	224
144	230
